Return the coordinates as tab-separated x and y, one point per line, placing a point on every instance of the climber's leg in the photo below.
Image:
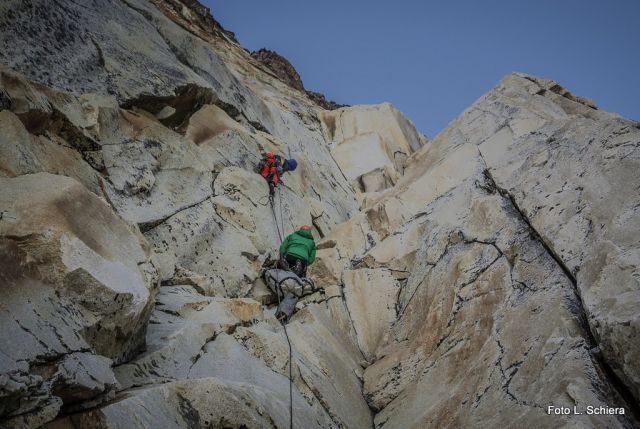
286	307
300	268
297	266
283	263
303	270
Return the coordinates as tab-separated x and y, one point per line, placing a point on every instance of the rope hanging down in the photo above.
278	292
284	326
275	218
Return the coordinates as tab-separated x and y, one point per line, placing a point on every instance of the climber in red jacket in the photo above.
272	167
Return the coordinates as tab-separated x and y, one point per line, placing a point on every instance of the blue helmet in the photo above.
290	164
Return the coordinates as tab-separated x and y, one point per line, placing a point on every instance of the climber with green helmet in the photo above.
298	251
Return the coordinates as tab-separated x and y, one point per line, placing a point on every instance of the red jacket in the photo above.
269	169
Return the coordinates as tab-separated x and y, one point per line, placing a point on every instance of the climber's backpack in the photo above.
281	281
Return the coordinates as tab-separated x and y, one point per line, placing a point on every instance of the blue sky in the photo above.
433	59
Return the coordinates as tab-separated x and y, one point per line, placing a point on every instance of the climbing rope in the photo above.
275	218
281	218
278	293
290	378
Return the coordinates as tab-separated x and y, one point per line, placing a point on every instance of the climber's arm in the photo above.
284	246
312	255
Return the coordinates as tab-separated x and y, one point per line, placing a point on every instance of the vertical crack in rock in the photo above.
615	381
321	401
428	263
534	233
401	313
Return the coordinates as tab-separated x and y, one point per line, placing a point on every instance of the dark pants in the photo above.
272	184
294	264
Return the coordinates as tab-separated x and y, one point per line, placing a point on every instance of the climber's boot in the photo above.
286	307
282	318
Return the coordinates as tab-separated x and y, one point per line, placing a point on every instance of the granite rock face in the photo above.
379	131
585	209
77	295
473	279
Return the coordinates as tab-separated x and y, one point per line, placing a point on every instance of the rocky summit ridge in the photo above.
474	279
